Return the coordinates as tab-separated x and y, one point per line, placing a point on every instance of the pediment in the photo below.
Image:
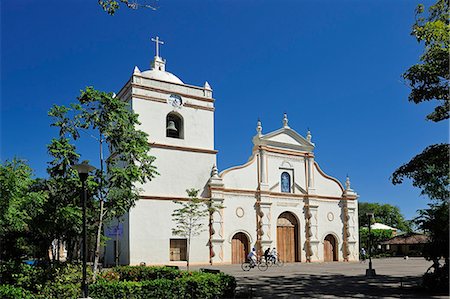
285	138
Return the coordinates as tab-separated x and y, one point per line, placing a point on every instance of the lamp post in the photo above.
83	170
370	272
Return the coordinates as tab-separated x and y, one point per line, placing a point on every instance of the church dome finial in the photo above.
347	184
214	172
285	121
158	63
259	127
158	67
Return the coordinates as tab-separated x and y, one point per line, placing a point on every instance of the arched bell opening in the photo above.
174	126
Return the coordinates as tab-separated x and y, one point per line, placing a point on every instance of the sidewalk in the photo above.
396	278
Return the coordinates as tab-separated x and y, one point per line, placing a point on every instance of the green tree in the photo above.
111	6
383	213
129	163
429	81
19	205
190	219
377	236
429	171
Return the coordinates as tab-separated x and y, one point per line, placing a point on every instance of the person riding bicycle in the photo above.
267	254
363	255
251	257
274	254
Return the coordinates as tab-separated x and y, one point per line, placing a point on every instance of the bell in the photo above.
171	126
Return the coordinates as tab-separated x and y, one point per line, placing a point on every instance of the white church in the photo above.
280	198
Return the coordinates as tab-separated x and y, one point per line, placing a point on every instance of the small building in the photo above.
385	227
408	244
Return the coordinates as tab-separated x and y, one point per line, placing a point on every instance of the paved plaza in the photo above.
396	278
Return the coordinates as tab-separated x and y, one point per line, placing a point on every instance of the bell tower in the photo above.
179	119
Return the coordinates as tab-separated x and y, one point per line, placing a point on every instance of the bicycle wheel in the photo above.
280	263
246	266
269	263
262	266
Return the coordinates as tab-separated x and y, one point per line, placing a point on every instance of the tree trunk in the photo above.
100	221
97	245
188	250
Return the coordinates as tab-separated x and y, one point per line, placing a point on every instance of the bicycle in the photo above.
274	261
247	265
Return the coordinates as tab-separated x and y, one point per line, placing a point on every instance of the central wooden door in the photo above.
287	238
329	249
239	248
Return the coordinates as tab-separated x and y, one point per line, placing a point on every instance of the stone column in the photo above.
216	224
263	186
310	172
265	219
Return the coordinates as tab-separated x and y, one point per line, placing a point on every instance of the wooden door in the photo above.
239	248
287	239
178	248
329	249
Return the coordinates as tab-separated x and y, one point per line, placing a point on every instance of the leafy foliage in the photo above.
139	273
63	280
162	282
19	205
377	236
434	222
429	79
13	292
111	6
428	171
383	213
128	164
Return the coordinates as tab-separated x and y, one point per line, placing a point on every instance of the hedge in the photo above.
140	273
12	292
193	285
130	282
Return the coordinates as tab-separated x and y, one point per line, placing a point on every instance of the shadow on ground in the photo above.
329	286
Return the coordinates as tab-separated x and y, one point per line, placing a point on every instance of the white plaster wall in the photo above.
334	227
178	171
198	124
233	224
284	138
242	177
151	230
325	186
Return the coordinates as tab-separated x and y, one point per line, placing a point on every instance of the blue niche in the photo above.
285	182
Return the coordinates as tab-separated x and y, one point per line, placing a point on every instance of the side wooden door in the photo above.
329	249
239	248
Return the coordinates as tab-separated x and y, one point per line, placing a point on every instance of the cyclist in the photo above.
267	254
274	255
251	257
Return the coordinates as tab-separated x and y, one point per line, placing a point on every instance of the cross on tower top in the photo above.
157	42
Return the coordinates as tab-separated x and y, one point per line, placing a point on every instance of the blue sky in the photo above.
334	66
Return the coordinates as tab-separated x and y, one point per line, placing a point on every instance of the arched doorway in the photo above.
239	248
287	237
330	252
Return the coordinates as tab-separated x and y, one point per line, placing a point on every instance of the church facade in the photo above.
279	198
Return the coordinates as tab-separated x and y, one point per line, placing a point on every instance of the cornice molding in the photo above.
183	148
200	98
